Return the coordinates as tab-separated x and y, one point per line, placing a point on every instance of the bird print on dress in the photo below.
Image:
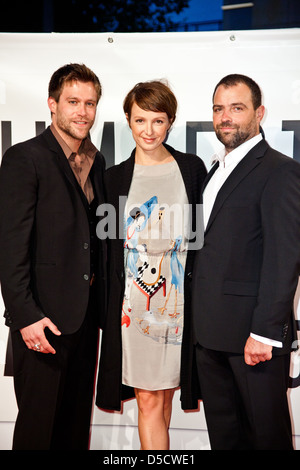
148	273
177	279
135	223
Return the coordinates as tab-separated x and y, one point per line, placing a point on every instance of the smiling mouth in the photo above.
226	125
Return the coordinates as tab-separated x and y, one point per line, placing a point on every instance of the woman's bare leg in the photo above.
154	414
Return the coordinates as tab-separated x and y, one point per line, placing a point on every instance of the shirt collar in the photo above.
237	154
86	147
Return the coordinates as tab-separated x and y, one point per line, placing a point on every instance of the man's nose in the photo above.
226	115
81	110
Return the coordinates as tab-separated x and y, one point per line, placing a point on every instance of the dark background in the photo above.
146	16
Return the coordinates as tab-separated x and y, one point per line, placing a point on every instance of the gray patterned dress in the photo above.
155	247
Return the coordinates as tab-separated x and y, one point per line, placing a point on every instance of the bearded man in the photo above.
51	266
245	277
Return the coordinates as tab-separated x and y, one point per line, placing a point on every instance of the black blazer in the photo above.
45	260
246	274
110	391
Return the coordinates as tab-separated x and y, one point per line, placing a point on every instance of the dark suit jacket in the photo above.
45	259
246	274
110	391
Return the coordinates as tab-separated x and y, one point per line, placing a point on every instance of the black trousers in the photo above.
246	407
54	392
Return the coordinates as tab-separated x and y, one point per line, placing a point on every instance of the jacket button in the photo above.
86	277
85	246
190	275
285	330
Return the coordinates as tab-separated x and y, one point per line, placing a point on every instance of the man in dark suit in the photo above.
51	266
245	277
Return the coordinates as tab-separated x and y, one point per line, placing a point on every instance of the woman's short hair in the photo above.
153	96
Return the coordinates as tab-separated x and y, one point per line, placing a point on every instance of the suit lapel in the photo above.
122	182
209	176
96	175
247	164
185	173
60	157
121	189
127	175
67	170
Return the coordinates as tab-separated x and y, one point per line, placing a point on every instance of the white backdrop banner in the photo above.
192	63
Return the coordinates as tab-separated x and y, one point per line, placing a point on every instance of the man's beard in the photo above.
66	127
234	140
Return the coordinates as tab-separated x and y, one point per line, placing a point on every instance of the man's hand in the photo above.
35	338
256	352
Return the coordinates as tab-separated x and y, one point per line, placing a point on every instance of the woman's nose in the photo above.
149	129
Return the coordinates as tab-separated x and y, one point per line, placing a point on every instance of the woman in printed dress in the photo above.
147	346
